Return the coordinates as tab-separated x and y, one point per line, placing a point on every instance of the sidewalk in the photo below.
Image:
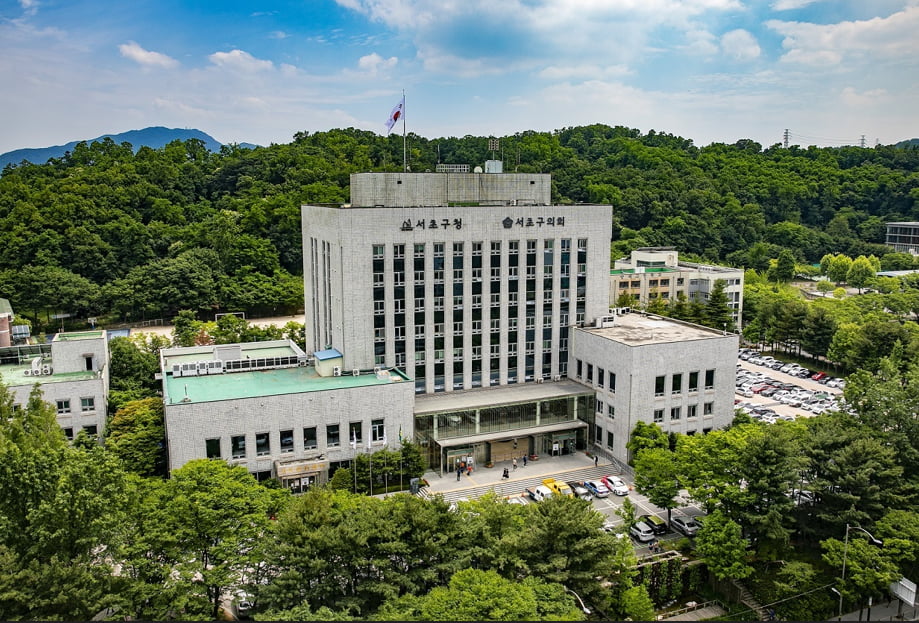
483	479
884	611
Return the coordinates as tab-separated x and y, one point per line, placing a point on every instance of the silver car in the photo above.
686	526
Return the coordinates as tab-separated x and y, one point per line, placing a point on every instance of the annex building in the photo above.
651	273
903	237
72	373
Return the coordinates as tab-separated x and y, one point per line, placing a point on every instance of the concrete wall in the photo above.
441	189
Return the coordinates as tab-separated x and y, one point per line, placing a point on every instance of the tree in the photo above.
860	272
137	435
185	327
717	312
721	545
784	269
838	268
657	476
644	436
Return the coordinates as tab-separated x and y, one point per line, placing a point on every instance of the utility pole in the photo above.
786	138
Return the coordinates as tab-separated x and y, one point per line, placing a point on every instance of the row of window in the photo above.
439	248
676	382
601	380
286	439
91	430
86	405
692	411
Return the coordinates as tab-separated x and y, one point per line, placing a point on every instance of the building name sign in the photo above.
446	223
550	221
457	223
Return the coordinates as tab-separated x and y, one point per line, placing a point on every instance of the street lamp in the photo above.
584	608
845	551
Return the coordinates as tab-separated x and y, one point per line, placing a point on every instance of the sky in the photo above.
829	72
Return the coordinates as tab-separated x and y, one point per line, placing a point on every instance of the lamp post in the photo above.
584	608
845	551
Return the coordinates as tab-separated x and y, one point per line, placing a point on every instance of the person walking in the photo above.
459	473
524	460
515	463
505	475
596	460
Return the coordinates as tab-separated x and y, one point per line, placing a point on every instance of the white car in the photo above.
615	484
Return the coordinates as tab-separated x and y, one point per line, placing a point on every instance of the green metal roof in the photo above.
15	376
79	335
276	382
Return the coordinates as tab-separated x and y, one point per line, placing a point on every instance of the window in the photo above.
457	274
355	436
238	446
379	335
438	249
599	435
513	246
495	273
378	252
601	377
709	379
332	435
419	249
87	404
377	430
693	381
419	305
477	248
377	280
612	382
609	438
658	415
398	251
708	408
309	438
212	448
577	368
91	430
676	384
379	308
68	433
675	413
691	411
590	372
601	408
287	441
659	386
496	246
63	407
611	412
262	444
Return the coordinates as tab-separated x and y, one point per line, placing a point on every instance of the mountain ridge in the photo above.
154	137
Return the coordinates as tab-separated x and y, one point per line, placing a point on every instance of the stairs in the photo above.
747	599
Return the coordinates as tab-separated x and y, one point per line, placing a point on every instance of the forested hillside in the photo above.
144	235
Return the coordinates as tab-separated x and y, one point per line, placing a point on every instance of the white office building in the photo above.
72	373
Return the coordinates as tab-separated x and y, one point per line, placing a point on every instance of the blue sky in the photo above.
830	71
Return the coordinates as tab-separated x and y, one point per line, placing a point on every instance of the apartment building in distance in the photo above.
903	237
72	373
657	273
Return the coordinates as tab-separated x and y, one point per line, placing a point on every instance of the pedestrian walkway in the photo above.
577	466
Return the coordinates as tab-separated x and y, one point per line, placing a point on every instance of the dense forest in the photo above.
104	231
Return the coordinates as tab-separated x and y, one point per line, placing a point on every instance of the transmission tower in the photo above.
786	138
861	143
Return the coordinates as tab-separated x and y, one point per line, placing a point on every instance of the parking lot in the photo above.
769	394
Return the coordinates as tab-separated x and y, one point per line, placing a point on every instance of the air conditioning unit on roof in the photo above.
355	372
336	371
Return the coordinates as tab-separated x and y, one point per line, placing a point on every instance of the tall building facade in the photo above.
459	296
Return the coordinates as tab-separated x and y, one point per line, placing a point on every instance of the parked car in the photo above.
518	499
580	491
684	525
657	525
558	487
615	484
596	488
642	532
818	376
539	493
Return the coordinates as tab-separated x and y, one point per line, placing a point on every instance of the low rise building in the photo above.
903	237
646	368
276	411
651	273
72	373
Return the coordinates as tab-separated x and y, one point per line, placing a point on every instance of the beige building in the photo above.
651	273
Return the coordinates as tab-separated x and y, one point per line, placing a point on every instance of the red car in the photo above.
818	376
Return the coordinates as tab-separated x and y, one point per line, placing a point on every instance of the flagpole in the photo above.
404	153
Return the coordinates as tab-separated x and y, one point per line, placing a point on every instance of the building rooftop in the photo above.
79	335
272	382
637	329
15	375
329	353
491	396
643	269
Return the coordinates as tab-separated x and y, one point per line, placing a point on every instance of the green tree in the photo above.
784	269
657	477
717	312
722	546
860	272
838	268
646	435
137	435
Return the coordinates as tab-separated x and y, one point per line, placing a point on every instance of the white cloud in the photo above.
144	57
891	38
374	63
700	42
240	60
278	34
740	44
788	5
582	72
